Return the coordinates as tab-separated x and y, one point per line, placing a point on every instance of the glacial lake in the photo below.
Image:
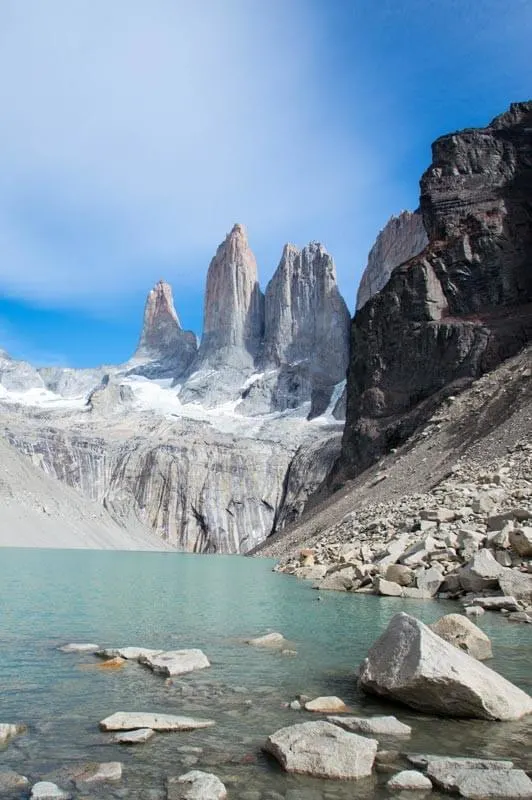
171	601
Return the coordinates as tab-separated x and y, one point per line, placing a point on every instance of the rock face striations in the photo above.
162	338
402	238
462	305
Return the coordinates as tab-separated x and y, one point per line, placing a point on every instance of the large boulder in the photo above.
521	541
479	779
464	634
481	572
412	664
322	750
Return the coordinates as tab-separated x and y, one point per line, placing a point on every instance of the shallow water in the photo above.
170	601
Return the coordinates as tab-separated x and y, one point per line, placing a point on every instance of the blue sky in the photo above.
133	134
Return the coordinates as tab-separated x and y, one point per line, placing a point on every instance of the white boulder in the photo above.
322	750
412	664
196	785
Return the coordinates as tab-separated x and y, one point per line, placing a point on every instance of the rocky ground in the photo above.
447	515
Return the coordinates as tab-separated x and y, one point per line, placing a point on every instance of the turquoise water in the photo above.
170	601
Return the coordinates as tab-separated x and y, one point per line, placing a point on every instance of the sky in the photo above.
134	134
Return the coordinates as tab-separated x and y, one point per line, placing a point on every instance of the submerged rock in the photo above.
128	653
446	772
128	721
322	750
97	773
268	640
463	634
196	785
11	781
139	736
74	647
412	664
387	726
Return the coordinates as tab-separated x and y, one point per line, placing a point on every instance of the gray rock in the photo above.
409	780
412	664
517	584
521	541
497	603
322	750
11	781
139	736
176	662
385	726
481	573
196	785
464	634
128	721
446	773
429	580
486	784
45	790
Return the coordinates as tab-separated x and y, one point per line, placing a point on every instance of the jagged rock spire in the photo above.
306	318
162	337
234	304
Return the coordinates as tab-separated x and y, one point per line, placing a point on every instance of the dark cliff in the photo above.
461	306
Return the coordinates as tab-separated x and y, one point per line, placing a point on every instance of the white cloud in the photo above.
135	133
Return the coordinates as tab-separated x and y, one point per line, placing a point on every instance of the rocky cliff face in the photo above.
162	338
402	238
306	318
461	306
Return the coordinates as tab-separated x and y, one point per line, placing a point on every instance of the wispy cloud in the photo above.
133	133
136	133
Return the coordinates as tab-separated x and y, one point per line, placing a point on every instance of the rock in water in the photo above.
273	639
464	634
409	780
412	664
133	720
139	736
8	730
401	238
196	785
326	705
162	338
375	726
11	782
177	662
45	790
322	750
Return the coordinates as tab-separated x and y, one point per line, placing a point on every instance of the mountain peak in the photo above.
162	337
